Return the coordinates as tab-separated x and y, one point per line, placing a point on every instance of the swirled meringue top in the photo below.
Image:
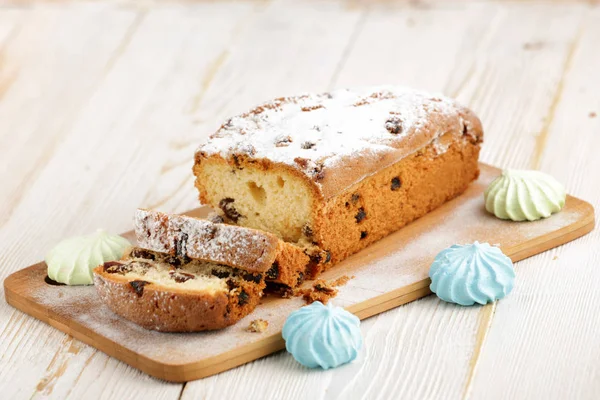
322	336
472	273
521	195
72	260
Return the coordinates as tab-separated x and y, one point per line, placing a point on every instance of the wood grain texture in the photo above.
45	92
105	121
493	64
543	342
392	272
504	59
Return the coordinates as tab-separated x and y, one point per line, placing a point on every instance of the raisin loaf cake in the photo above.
173	294
339	170
248	249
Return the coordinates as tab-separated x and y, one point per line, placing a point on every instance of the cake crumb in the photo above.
258	326
555	258
593	115
322	290
342	280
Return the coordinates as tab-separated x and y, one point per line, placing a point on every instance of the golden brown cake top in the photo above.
338	138
180	235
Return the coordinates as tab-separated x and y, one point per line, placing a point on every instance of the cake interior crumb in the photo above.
322	290
258	326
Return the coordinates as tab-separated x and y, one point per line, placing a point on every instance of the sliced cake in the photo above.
177	294
202	239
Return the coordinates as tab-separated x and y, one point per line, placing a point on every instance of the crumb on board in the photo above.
342	280
258	325
593	114
555	258
322	291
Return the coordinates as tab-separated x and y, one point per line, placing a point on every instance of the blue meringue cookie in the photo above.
472	273
322	336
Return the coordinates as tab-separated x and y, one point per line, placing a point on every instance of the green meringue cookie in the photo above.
521	195
72	260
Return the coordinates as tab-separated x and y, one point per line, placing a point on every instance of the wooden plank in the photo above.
38	70
393	272
519	62
288	49
495	56
543	342
417	54
146	68
44	83
11	21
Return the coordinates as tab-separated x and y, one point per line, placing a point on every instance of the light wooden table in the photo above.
102	105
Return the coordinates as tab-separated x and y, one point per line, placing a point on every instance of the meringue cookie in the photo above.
72	260
521	195
473	273
322	336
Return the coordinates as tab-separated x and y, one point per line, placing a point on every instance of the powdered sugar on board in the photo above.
396	263
404	257
82	305
316	132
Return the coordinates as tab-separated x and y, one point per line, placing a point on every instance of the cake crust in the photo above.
180	235
338	171
238	247
394	197
334	140
170	308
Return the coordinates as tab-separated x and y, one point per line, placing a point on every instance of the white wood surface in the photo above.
102	105
543	342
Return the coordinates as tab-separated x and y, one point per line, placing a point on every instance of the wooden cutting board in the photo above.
389	273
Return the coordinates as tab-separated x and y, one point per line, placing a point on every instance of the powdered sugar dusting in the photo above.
322	131
234	246
82	305
394	263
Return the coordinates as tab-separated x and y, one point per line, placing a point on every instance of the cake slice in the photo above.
338	171
283	264
175	294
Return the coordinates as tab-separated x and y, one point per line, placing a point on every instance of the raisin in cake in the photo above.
175	294
244	248
339	170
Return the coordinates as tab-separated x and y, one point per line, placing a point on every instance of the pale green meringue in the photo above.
72	260
521	195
